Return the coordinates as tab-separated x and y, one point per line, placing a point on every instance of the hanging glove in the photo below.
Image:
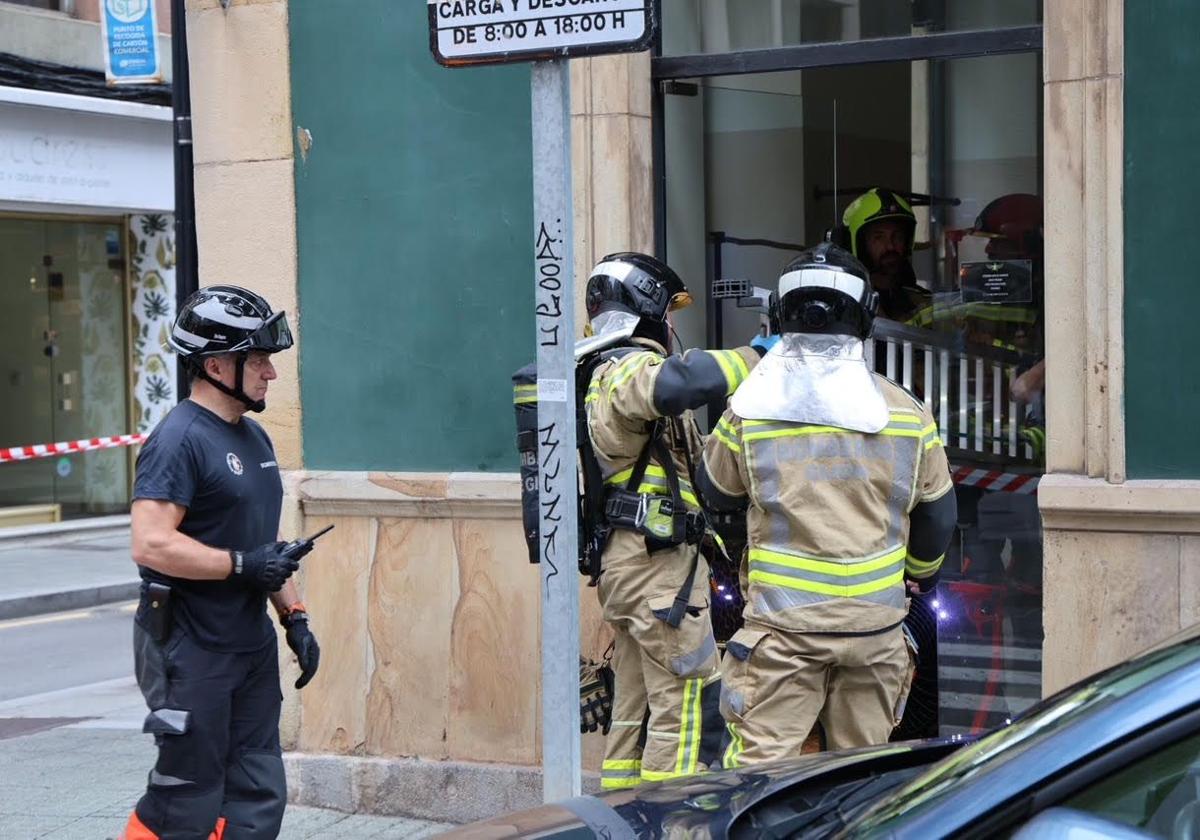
265	567
303	643
764	343
595	696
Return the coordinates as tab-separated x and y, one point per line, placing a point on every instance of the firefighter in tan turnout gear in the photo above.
849	497
654	583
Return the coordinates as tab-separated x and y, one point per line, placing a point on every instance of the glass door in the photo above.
25	363
65	368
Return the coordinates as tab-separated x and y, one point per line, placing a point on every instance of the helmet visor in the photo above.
273	336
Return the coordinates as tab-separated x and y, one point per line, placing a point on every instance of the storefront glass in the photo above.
758	166
63	361
717	26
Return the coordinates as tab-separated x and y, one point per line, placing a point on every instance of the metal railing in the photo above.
965	386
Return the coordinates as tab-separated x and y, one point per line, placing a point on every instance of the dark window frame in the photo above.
664	70
965	44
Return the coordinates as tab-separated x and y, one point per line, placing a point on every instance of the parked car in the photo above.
1115	755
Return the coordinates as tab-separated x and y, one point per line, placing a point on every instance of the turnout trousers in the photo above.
665	720
778	684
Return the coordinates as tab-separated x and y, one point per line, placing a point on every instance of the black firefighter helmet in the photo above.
228	319
824	290
639	285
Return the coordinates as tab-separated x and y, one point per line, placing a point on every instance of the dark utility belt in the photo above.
659	518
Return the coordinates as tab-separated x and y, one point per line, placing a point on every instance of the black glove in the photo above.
264	567
303	643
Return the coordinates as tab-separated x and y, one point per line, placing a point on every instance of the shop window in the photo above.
716	26
758	166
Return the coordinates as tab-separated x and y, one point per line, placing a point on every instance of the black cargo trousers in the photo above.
215	720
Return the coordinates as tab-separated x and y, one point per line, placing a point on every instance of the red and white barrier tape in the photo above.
993	480
47	450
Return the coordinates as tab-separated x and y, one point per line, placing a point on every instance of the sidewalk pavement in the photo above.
77	571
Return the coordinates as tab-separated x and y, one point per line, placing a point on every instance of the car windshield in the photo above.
1048	716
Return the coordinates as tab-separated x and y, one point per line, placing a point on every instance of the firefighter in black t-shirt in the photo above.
205	515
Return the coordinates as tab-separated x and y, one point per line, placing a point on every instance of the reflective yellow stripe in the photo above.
687	760
743	370
796	432
736	745
922	568
524	394
627	369
658	776
827	567
621	763
685	728
931	437
731	380
653	471
620	784
827	588
725	440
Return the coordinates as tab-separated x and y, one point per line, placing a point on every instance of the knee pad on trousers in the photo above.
255	796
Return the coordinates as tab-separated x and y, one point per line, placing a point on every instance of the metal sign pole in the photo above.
555	328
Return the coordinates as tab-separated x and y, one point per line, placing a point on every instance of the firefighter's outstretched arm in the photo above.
721	477
931	526
646	386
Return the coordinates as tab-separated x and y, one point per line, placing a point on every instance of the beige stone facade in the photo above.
443	554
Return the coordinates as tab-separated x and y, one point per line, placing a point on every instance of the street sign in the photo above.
500	31
129	30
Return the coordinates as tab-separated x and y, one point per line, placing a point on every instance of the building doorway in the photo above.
771	118
64	362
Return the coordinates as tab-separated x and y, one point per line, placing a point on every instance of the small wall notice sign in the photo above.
997	281
130	33
500	31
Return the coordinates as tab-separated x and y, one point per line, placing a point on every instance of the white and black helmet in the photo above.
824	290
228	319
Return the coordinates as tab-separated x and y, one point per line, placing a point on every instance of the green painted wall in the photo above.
1162	239
414	219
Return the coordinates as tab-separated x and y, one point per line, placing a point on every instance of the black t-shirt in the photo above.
226	476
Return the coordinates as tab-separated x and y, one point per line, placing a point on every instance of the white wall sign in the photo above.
79	158
500	31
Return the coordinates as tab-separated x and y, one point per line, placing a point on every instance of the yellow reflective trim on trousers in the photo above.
827	567
621	764
736	746
620	784
689	722
659	776
831	589
922	568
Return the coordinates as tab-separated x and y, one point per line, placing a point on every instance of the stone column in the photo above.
1120	568
246	205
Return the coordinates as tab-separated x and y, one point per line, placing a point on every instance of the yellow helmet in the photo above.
876	205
